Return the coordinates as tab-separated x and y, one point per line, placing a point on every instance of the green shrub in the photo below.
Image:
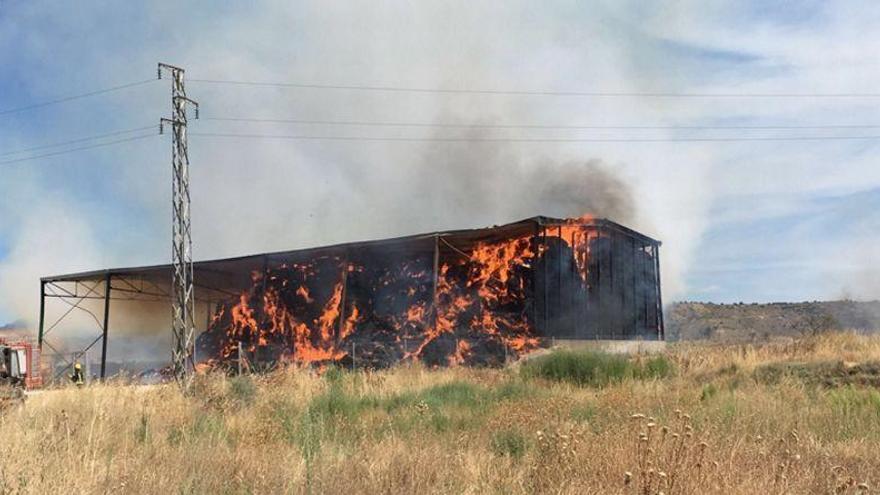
310	436
583	414
175	436
709	391
595	368
656	367
828	374
143	430
242	389
440	422
512	390
730	369
855	411
454	394
774	373
336	402
582	368
285	415
208	424
850	402
509	443
334	374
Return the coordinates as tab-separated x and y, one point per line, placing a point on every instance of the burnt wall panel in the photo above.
617	297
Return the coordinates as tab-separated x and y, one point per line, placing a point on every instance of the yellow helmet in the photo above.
77	366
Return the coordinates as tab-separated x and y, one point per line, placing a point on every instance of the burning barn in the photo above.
469	296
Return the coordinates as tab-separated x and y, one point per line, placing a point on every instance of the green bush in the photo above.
334	374
512	390
583	413
242	389
508	443
285	414
143	430
175	436
208	424
709	391
656	367
856	412
310	436
440	422
594	368
336	402
453	393
852	402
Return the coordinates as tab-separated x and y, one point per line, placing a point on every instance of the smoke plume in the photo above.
253	195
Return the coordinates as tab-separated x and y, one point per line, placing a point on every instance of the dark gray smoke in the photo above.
575	188
479	183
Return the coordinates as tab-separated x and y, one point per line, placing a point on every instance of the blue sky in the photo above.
740	221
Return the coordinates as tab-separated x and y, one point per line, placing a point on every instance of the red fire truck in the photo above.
19	365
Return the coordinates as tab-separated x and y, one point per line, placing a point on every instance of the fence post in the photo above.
88	362
239	357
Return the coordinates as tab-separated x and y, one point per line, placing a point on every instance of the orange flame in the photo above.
481	295
350	322
303	292
462	351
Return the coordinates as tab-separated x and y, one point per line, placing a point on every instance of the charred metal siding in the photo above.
620	299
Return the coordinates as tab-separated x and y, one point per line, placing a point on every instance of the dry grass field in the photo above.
791	417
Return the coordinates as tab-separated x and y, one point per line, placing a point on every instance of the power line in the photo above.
78	140
528	140
76	97
535	126
62	152
599	94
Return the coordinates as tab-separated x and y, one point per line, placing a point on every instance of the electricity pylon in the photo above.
182	297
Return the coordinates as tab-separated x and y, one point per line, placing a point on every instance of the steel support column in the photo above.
545	284
106	326
661	331
535	258
255	334
42	314
436	281
341	326
560	310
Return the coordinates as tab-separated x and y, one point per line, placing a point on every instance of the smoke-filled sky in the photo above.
740	220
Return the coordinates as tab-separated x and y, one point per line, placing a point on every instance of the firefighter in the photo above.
77	376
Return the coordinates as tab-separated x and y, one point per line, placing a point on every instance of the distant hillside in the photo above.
739	322
14	330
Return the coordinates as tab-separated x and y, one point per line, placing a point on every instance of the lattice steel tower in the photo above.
182	298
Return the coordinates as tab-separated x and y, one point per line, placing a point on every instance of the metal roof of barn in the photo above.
225	267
